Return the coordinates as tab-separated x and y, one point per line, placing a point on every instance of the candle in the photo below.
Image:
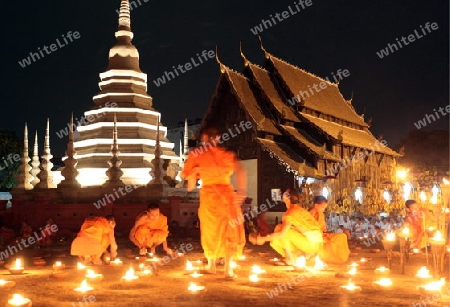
189	266
423	273
196	275
59	265
405	232
350	287
253	278
17	268
130	276
382	270
257	270
18	301
194	287
116	262
6	284
301	262
390	236
383	283
432	287
80	266
84	287
233	265
438	239
319	265
352	271
92	276
242	257
180	254
353	265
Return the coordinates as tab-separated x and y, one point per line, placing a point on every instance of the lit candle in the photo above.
189	266
382	270
233	265
180	254
116	262
350	287
194	287
423	273
242	257
353	265
196	275
130	276
92	276
17	268
390	236
253	278
80	266
59	265
84	287
18	301
363	260
433	287
352	271
301	262
405	232
383	282
319	265
6	284
257	270
437	239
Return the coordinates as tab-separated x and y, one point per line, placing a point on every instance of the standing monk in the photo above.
335	247
298	234
221	221
150	230
96	234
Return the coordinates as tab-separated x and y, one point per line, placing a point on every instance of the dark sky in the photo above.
395	91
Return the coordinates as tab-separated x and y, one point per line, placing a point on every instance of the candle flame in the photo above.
351	286
2	282
385	282
18	300
257	270
233	265
18	263
382	269
301	262
84	287
436	285
253	278
352	271
438	236
129	275
390	236
423	273
354	265
242	257
196	275
194	287
58	263
189	266
80	266
319	264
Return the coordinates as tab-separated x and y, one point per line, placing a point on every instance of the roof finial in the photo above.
24	177
70	171
222	67
46	175
186	140
35	162
266	54
114	172
124	16
156	171
246	61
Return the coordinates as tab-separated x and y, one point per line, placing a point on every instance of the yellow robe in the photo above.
149	233
221	225
335	248
93	238
294	240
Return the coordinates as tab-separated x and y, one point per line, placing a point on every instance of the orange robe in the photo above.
335	248
295	240
221	221
148	233
94	237
420	221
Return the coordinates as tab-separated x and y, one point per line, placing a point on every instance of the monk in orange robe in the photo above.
150	230
221	221
96	234
335	248
298	234
418	219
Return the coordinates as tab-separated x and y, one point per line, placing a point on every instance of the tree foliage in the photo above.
10	145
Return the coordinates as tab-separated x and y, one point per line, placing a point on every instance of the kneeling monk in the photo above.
150	230
298	234
335	248
96	234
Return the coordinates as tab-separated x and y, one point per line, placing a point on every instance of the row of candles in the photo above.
131	276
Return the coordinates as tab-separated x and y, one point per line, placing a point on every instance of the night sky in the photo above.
396	91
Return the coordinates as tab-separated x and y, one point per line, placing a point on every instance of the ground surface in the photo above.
168	285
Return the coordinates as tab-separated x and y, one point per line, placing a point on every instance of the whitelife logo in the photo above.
34	56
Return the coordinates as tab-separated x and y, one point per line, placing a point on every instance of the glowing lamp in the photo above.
432	287
253	278
350	288
300	263
59	266
242	257
193	287
189	266
383	283
18	301
353	265
92	276
437	239
80	266
17	268
116	262
84	287
352	271
233	265
130	276
319	264
390	237
257	270
6	284
382	270
423	273
196	275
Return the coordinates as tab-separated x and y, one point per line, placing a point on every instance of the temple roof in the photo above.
350	136
266	86
327	101
241	87
318	150
287	157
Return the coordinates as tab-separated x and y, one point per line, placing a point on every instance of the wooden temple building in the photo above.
311	139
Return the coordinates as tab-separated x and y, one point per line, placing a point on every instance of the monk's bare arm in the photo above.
279	234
